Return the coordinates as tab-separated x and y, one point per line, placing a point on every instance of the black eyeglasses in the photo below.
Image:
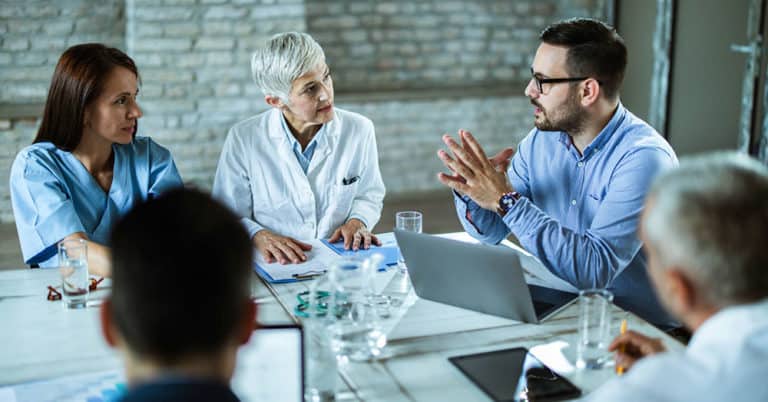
541	81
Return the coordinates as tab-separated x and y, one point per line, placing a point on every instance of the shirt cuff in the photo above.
251	227
470	207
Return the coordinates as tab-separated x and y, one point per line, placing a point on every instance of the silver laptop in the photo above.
478	277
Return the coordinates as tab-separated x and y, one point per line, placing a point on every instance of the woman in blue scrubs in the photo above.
86	166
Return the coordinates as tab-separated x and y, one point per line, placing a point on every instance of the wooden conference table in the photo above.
39	340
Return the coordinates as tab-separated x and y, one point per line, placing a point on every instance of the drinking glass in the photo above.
409	221
594	328
73	266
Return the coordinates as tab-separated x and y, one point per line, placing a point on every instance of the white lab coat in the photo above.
726	360
259	177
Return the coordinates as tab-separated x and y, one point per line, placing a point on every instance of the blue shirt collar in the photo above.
292	140
605	134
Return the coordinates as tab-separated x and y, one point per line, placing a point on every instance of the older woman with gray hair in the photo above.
303	169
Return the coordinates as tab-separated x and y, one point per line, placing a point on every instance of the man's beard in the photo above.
570	117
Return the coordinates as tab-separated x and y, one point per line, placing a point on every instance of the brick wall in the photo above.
34	33
394	44
194	58
408	133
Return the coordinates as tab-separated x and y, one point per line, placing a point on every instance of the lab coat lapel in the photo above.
325	145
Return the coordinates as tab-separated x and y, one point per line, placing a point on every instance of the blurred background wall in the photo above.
416	68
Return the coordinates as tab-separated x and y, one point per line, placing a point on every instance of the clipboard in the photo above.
322	255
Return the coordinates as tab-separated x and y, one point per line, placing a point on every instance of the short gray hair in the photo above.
284	58
709	216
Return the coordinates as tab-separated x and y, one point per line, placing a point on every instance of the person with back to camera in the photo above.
705	227
180	305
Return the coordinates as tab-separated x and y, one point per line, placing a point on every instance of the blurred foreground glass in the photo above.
355	325
409	221
73	266
594	328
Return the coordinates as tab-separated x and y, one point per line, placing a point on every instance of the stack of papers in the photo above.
322	255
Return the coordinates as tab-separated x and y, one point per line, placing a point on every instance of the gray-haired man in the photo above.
705	228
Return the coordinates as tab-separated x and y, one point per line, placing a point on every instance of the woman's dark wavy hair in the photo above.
77	81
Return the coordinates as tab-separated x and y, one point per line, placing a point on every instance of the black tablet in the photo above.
515	375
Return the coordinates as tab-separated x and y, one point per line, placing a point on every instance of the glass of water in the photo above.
409	221
73	266
594	328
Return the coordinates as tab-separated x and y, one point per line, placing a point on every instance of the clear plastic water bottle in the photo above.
320	359
354	325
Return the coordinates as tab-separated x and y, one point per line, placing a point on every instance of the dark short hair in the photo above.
181	267
595	50
77	81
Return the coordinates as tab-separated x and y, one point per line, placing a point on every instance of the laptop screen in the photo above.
270	366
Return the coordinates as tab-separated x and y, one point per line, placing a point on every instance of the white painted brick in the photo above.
217	43
148	30
163	44
182	29
15	44
30	59
281	11
225	12
163	13
165	75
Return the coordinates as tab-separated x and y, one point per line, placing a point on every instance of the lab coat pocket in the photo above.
342	196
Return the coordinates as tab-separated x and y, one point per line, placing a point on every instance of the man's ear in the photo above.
681	290
248	322
108	329
274	101
590	92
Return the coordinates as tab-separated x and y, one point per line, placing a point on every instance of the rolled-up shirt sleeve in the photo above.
231	184
369	199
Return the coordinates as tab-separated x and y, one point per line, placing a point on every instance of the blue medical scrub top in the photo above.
53	195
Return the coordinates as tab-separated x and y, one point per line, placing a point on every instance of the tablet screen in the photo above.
269	366
515	375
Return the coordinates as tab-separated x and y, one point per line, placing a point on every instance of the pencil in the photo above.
620	369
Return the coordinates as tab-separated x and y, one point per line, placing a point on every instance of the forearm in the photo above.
99	259
99	255
483	225
585	260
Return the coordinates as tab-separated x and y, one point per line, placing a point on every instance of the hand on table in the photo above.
474	174
635	347
355	235
285	250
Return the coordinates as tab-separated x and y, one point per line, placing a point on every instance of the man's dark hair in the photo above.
181	276
594	50
77	81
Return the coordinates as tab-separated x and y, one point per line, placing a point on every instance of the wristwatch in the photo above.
506	202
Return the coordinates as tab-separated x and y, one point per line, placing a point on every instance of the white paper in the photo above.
318	260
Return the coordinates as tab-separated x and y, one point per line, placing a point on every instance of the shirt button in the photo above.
573	202
581	164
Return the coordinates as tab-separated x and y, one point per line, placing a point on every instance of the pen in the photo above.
622	348
349	181
308	274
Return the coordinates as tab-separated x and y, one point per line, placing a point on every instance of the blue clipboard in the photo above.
390	252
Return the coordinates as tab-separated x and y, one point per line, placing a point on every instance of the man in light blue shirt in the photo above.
574	191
